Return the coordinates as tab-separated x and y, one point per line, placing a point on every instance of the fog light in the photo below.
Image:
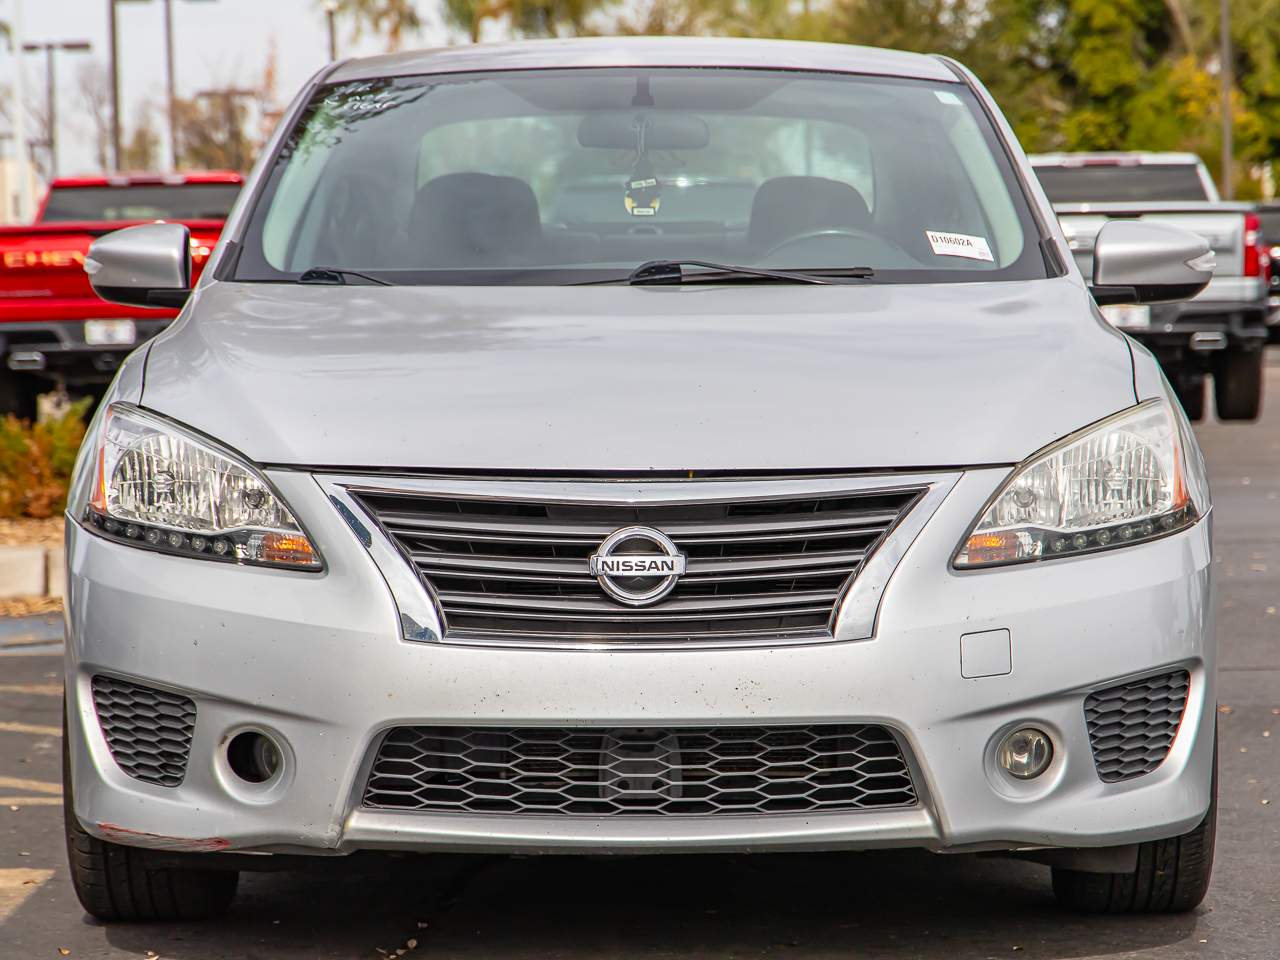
253	757
1026	753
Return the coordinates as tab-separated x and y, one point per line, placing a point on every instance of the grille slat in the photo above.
460	564
513	569
1132	726
593	532
661	772
626	616
604	608
147	730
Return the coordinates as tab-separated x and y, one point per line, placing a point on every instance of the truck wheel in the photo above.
115	882
1191	394
1172	875
18	395
1237	384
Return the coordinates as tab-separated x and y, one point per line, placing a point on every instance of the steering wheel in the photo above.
833	233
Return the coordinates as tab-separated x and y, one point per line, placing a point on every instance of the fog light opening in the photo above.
253	757
1026	753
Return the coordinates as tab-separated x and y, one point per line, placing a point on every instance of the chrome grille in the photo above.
148	730
520	568
682	771
1131	727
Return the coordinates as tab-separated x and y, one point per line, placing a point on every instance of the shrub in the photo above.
36	461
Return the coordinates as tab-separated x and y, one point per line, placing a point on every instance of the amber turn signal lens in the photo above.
288	548
991	548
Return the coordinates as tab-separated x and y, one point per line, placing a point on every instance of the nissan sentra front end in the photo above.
880	537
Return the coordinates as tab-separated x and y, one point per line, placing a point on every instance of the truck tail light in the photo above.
1257	260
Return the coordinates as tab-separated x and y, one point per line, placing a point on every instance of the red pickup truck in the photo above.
53	329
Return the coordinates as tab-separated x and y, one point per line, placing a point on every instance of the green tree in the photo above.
390	18
528	18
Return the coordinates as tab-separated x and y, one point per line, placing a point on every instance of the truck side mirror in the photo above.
144	266
1139	262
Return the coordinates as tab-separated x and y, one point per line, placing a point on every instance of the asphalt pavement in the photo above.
878	906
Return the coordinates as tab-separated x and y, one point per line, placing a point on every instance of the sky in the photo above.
216	43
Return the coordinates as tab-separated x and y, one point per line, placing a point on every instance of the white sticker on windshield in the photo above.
959	245
947	97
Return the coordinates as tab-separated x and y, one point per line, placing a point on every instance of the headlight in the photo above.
1119	482
159	486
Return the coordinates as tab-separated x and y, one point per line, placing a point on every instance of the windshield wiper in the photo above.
672	271
337	275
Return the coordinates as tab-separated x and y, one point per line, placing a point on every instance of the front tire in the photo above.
1172	875
115	883
1237	384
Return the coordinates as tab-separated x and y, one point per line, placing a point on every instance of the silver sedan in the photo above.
651	445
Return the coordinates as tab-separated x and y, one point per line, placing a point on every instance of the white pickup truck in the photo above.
1224	329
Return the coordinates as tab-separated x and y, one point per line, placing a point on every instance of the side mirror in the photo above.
1139	262
144	266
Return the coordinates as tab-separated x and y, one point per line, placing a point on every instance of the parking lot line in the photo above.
27	640
9	726
32	786
30	801
16	885
40	689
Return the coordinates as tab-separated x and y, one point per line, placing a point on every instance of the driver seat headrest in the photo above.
786	207
474	219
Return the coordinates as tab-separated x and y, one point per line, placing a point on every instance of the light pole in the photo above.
49	48
330	16
169	82
171	96
113	42
1225	75
21	161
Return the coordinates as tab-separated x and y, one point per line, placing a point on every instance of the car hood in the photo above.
707	378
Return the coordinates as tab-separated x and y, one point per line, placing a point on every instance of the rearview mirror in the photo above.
661	131
144	266
1139	262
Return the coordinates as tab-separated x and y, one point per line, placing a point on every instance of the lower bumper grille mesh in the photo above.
148	730
1131	727
684	771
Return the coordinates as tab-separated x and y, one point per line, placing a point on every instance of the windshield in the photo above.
570	176
188	201
1111	183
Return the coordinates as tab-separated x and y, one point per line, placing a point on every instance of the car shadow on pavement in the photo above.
881	905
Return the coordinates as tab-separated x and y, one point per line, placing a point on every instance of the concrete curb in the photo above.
31	571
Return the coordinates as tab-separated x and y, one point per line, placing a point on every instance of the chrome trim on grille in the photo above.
855	605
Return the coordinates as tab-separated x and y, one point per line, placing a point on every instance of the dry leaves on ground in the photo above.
30	606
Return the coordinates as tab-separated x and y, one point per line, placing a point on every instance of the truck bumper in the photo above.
60	352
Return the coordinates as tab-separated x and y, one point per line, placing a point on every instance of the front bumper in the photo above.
319	662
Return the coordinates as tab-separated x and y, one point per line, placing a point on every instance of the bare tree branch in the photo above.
1181	25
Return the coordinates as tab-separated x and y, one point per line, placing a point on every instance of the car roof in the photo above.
648	52
1115	158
